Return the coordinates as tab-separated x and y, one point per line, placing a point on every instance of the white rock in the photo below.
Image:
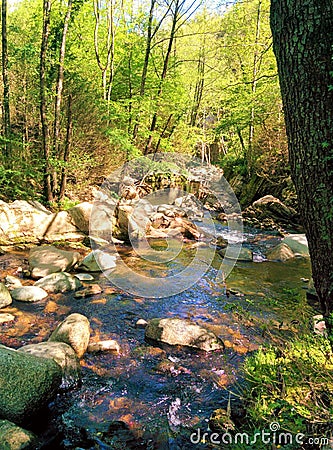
29	294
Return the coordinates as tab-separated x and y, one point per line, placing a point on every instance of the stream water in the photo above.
151	397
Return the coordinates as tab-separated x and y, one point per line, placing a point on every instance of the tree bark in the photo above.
43	102
68	145
6	110
303	39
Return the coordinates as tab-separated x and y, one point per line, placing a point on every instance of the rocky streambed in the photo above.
119	383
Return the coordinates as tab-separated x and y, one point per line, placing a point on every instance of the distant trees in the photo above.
122	78
303	42
5	79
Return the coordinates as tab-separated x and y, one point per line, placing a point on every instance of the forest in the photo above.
166	232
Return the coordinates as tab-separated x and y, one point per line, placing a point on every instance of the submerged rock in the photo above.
6	317
27	383
94	289
74	331
232	252
29	294
63	355
5	297
59	282
175	331
13	437
47	259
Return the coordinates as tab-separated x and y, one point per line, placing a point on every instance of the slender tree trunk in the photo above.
6	110
59	90
146	62
249	153
175	19
303	40
43	102
68	145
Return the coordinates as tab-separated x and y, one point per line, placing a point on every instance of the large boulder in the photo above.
74	331
175	331
63	355
5	297
291	246
80	215
59	282
29	294
13	437
270	212
23	222
27	384
47	259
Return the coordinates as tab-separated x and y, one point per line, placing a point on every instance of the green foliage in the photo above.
292	385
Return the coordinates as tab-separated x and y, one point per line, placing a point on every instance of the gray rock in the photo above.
80	215
13	437
63	355
74	331
47	259
12	282
84	276
5	297
97	261
298	244
29	294
59	282
28	383
175	331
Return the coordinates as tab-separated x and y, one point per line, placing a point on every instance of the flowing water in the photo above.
154	397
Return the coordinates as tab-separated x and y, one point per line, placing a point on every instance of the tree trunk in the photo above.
59	89
303	39
68	145
175	18
42	96
6	111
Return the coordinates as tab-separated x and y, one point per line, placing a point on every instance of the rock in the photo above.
6	317
29	294
12	282
97	261
298	244
47	259
63	355
175	331
221	242
191	206
281	252
59	282
13	437
5	297
270	212
104	346
29	222
80	215
141	323
28	383
74	331
244	255
84	277
94	289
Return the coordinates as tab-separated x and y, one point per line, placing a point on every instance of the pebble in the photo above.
5	318
104	346
84	277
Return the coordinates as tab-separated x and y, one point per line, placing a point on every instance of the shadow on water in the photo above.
153	397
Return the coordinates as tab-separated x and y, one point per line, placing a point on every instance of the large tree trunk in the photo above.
303	39
6	111
43	107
